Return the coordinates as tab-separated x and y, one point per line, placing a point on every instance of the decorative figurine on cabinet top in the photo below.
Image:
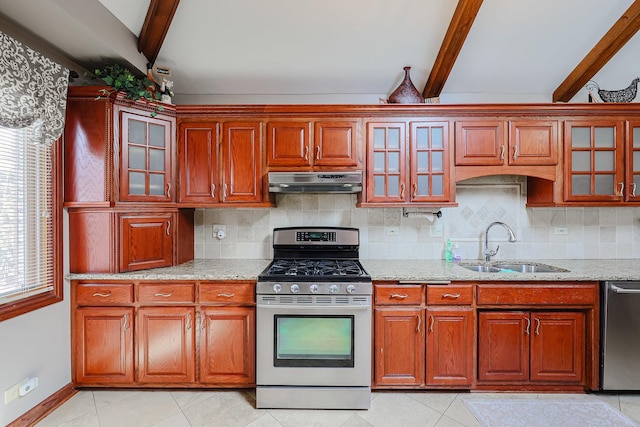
623	95
406	92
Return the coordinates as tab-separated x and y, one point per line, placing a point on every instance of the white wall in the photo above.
36	344
592	232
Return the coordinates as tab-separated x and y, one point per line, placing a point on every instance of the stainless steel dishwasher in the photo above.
620	361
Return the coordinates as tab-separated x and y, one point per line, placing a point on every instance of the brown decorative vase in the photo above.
406	93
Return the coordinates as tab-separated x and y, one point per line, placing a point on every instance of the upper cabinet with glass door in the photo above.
408	163
146	145
594	166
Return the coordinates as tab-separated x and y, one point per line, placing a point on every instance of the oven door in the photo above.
313	345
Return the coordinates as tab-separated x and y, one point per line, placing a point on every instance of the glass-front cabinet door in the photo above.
386	181
145	166
429	161
594	168
632	186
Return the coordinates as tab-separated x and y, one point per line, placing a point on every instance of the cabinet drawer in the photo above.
166	292
398	294
104	294
449	294
227	293
528	294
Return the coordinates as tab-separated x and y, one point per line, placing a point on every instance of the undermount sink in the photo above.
512	267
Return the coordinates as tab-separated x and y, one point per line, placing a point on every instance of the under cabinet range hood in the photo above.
315	182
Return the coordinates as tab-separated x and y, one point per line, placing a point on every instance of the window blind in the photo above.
26	225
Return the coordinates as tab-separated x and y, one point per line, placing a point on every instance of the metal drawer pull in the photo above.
169	190
224	190
502	153
432	322
306	152
227	295
515	152
213	191
419	323
164	295
168	227
399	296
402	191
537	326
528	326
188	321
633	190
103	295
125	325
415	190
454	296
619	290
318	153
621	184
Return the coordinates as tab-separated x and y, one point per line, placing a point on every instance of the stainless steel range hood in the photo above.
315	182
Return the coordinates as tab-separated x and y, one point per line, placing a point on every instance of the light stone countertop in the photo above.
402	270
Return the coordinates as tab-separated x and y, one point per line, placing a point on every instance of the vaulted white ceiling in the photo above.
308	51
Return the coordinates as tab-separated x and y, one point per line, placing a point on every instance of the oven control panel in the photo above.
314	288
316	236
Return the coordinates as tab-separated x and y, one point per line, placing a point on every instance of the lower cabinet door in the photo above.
227	345
557	346
146	241
165	345
399	346
503	346
450	351
103	345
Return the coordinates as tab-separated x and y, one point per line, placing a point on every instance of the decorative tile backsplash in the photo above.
592	233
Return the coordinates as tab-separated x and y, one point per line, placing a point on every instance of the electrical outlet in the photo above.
391	231
435	230
219	231
13	392
561	230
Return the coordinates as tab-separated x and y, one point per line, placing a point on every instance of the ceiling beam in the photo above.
155	27
619	34
459	27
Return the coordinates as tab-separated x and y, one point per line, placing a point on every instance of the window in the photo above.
30	223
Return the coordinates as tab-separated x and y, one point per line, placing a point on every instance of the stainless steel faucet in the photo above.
488	253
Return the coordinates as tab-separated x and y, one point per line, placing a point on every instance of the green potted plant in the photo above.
133	86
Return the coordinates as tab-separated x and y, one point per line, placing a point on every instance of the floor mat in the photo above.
546	413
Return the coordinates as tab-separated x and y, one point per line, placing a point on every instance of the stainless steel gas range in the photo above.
314	322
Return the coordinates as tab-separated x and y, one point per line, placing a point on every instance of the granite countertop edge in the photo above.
391	270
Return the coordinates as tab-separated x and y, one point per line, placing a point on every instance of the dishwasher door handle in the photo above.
619	290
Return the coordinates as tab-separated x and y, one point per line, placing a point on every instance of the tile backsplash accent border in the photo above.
593	233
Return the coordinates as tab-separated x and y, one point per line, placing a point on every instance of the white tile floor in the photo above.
237	408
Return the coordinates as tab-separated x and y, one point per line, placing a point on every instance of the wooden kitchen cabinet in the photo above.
632	163
413	171
110	241
120	185
450	335
227	345
526	346
221	163
308	145
185	334
594	166
103	345
417	345
399	346
147	147
165	340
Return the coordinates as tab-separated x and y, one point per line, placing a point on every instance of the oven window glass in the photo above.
313	341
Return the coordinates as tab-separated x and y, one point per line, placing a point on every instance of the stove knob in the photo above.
313	288
333	289
351	289
277	288
295	288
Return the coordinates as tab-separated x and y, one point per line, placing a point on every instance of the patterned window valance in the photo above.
33	91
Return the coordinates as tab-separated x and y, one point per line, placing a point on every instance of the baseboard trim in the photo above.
45	407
